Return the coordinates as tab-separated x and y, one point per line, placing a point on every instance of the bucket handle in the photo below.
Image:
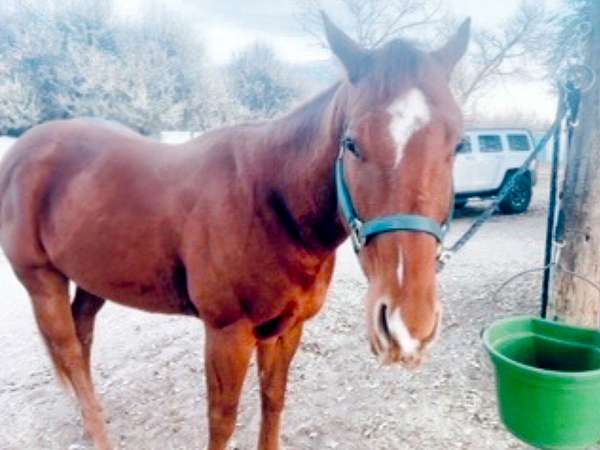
547	266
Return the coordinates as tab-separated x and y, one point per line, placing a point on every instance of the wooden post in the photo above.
576	301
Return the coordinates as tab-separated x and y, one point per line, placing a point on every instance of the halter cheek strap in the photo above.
361	232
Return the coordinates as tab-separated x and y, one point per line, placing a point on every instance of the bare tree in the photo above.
516	49
493	55
371	22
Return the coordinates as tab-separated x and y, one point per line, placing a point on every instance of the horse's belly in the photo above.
132	265
164	291
163	294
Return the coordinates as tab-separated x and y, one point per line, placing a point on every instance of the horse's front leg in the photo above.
227	356
274	357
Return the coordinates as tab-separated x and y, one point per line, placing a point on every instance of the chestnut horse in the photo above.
239	227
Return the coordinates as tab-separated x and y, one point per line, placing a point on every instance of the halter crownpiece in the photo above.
361	231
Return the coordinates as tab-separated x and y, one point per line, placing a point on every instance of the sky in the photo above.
228	26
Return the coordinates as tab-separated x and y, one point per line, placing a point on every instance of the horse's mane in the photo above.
392	66
303	121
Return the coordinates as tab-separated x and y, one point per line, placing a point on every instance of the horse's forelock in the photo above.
395	67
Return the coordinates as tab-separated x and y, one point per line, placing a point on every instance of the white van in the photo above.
485	160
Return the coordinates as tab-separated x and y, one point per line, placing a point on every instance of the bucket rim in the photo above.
588	375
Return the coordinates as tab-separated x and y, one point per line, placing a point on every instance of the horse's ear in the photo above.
354	58
455	48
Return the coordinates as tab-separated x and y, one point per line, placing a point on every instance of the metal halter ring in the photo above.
356	235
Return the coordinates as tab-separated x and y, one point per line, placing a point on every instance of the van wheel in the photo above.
460	204
519	197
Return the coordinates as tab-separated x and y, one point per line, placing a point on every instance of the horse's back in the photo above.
64	143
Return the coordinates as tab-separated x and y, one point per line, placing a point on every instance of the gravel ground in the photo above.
149	368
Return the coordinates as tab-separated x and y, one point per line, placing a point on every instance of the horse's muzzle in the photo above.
391	340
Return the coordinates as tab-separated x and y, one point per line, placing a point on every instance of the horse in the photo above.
239	226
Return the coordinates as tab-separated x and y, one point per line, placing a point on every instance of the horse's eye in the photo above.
350	146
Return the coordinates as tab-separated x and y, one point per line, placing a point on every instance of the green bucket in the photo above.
548	381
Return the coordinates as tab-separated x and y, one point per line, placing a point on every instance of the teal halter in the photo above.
361	231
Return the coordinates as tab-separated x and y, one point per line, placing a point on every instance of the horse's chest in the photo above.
295	303
302	280
272	300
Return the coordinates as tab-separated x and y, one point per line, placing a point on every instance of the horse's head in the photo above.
401	125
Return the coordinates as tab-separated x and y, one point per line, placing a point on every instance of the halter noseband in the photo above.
361	231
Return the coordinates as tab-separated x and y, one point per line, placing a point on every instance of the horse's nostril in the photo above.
383	322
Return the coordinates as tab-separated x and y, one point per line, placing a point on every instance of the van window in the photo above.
464	146
489	143
518	142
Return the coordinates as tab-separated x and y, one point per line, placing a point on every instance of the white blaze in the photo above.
410	113
400	270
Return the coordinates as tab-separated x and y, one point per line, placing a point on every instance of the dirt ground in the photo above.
149	368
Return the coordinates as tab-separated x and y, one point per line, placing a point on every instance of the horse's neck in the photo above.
305	145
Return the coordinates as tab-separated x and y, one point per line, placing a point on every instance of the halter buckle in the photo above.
442	259
356	235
